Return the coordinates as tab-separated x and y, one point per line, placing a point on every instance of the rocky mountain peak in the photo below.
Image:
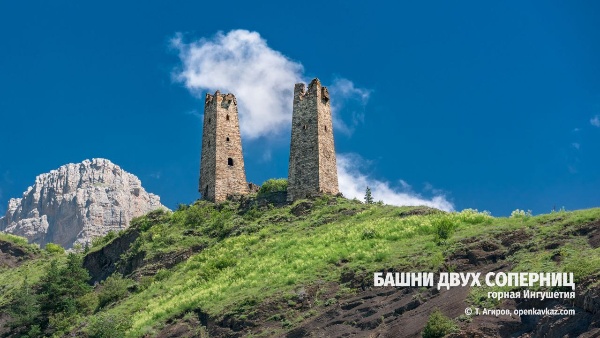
77	202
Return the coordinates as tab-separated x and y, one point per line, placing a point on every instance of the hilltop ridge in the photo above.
244	269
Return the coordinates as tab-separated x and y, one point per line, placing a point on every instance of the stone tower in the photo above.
221	163
312	167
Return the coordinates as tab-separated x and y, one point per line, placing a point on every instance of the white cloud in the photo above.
267	155
349	100
576	145
156	175
261	78
595	121
353	184
195	113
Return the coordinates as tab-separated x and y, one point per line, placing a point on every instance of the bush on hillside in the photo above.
101	241
273	185
108	325
520	214
444	228
54	248
113	289
25	308
438	325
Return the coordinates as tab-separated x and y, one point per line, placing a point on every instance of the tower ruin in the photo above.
312	168
222	162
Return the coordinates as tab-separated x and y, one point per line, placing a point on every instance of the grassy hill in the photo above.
234	269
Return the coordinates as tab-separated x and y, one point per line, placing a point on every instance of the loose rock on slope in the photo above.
78	202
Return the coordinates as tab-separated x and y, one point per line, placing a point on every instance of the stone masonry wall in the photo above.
312	166
222	170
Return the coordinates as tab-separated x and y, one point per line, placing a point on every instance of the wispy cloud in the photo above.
595	121
576	145
195	113
155	175
349	104
353	183
262	79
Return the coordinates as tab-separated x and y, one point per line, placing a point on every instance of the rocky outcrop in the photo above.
102	263
12	255
78	202
122	256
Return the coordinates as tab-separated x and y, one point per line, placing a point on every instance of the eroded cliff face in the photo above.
78	202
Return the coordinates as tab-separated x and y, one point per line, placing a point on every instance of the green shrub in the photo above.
101	241
162	274
59	324
108	325
54	248
520	214
273	185
438	325
25	308
114	288
368	234
87	303
53	303
35	331
143	223
444	228
145	283
62	285
253	214
472	216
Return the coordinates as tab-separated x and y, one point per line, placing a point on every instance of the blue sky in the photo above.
486	105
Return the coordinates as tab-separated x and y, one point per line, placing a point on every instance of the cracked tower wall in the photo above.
222	170
312	168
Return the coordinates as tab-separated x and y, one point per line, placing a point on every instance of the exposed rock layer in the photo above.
76	203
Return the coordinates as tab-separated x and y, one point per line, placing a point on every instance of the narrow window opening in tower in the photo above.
209	120
304	127
227	117
209	143
325	128
230	162
227	139
205	192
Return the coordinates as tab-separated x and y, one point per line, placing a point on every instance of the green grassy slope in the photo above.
31	269
253	256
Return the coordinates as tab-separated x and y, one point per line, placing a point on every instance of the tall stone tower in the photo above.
312	168
222	163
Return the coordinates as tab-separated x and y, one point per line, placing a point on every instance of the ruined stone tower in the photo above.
312	167
221	163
